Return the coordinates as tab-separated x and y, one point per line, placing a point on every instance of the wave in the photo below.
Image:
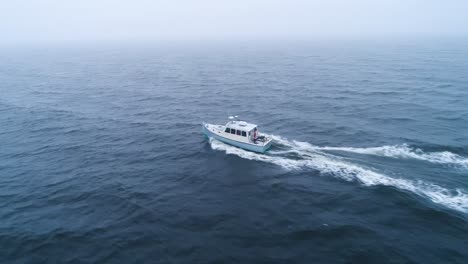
406	152
298	155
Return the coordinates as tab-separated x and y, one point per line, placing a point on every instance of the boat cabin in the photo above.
242	130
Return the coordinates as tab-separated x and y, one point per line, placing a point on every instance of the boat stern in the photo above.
267	145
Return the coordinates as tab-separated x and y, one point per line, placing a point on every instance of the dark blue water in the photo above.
102	158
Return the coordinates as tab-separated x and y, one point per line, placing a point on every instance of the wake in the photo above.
406	152
299	155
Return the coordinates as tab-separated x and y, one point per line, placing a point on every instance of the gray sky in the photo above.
29	21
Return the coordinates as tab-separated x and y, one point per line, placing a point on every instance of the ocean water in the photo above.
103	160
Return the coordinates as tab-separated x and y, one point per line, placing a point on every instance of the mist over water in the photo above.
103	160
88	21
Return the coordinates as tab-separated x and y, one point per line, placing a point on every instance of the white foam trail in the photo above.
406	152
398	151
333	165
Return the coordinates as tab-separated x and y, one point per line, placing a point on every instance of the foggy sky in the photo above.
30	21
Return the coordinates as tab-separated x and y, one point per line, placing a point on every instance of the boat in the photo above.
239	134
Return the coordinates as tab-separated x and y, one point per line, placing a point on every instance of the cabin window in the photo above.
239	132
233	131
244	134
228	130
